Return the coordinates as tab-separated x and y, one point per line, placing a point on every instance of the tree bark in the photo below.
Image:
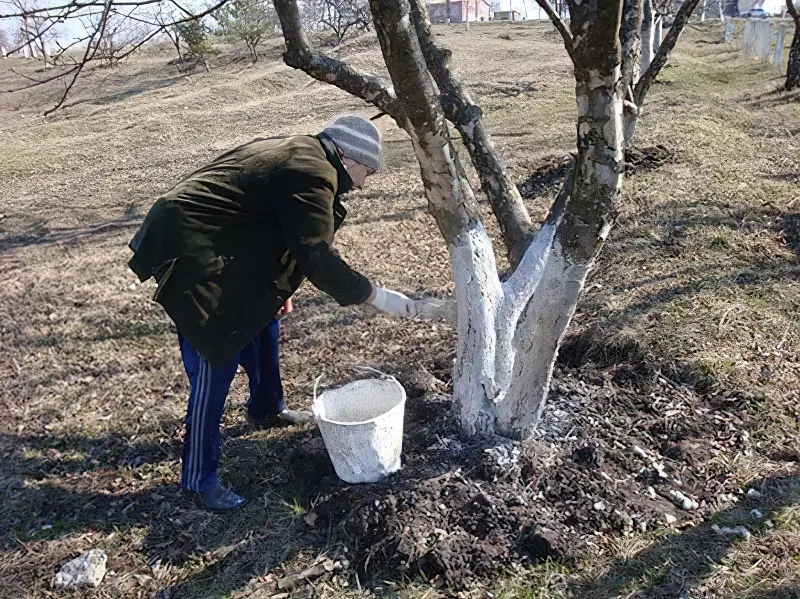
703	11
449	195
793	70
509	332
630	37
648	29
507	205
539	300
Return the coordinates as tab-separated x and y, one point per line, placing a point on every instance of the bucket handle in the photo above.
368	368
316	384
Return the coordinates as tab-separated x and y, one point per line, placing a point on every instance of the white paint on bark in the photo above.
658	33
537	335
763	43
648	31
777	60
478	296
749	38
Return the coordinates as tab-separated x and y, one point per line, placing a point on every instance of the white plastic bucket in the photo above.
362	426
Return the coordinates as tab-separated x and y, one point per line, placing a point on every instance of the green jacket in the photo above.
233	240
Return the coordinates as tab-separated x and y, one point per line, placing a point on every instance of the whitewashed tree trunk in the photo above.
721	4
763	42
648	33
780	46
703	11
658	32
749	37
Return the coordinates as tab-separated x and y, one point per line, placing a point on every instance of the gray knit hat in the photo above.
358	139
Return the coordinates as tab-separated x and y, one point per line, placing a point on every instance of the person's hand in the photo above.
392	303
286	308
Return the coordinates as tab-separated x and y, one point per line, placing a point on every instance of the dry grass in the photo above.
699	280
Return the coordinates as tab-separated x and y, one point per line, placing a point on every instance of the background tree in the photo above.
36	32
247	20
76	58
338	16
793	70
5	42
192	35
640	65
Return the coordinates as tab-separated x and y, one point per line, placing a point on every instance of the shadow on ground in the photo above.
673	566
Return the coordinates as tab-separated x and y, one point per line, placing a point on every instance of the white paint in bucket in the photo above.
362	426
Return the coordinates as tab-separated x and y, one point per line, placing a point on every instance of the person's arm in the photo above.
306	219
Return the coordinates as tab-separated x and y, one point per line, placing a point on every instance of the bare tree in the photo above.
36	31
4	43
338	16
75	58
508	330
793	70
249	21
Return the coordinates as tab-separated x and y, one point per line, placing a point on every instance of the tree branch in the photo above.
630	38
793	10
88	55
507	205
49	10
660	59
559	25
363	85
449	195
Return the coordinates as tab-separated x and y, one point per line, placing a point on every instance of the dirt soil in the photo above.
680	372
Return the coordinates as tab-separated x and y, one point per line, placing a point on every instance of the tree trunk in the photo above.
501	382
630	38
793	70
459	109
703	12
648	29
721	6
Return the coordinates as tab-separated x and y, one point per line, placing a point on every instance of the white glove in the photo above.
394	303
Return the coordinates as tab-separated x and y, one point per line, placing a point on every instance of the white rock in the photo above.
86	570
686	503
756	514
753	494
738	531
600	506
670	518
652	492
